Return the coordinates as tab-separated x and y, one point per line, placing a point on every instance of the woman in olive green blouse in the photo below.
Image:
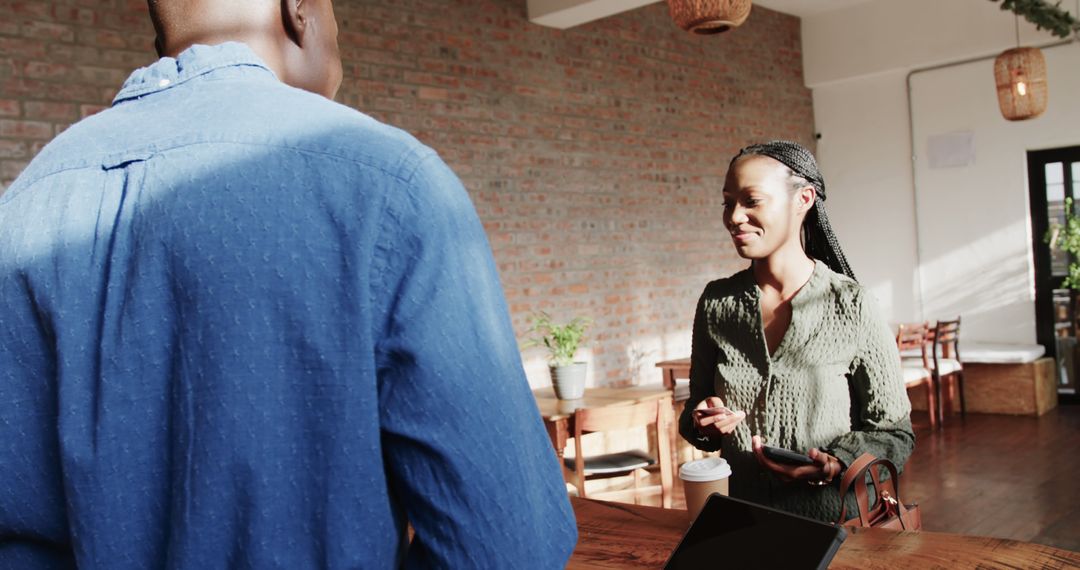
792	344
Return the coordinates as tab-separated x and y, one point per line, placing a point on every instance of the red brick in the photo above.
87	110
22	48
13	149
107	94
17	129
49	110
74	54
10	169
124	20
102	38
32	10
48	70
75	15
127	59
102	75
593	157
48	31
432	93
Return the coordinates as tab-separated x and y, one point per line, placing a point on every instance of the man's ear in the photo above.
294	16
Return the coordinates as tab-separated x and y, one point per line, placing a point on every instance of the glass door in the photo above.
1054	175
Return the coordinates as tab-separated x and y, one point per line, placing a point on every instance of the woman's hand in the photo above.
711	417
824	469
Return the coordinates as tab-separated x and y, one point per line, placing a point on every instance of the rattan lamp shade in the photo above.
709	16
1020	75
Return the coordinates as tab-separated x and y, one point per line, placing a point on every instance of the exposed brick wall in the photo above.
595	156
61	61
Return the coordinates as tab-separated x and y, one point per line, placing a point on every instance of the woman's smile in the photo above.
742	236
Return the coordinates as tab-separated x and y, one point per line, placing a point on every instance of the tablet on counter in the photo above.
732	533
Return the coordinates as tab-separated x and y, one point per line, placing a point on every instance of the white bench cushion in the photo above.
998	353
992	353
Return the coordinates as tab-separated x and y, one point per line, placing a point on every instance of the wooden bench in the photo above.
1005	379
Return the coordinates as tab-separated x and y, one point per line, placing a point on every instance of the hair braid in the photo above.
819	240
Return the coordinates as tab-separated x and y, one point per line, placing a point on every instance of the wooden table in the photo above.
673	370
618	535
559	414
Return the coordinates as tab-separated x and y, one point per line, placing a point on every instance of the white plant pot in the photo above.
569	380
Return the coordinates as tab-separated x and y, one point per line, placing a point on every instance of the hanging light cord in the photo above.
1017	17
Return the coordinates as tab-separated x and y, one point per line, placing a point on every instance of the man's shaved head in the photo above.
296	38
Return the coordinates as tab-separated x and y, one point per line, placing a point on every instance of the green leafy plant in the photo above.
1044	15
561	340
1067	238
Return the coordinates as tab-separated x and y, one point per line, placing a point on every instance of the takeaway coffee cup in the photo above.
702	478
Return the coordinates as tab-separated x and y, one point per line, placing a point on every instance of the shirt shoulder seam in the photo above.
404	169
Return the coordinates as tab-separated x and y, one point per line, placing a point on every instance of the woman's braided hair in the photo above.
819	241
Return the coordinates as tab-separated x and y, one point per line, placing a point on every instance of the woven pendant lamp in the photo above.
1020	75
709	16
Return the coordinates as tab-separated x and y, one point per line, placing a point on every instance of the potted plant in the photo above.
562	341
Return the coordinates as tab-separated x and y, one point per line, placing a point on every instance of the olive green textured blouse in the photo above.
834	382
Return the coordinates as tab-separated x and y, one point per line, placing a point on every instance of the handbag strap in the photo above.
856	475
856	470
890	505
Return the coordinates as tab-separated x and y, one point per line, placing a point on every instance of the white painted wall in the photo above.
966	248
973	221
863	154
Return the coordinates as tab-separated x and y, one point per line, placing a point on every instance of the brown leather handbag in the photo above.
887	511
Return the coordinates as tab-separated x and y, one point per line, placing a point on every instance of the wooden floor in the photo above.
1004	476
1012	477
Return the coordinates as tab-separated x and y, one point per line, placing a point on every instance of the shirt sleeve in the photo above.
702	378
881	411
465	450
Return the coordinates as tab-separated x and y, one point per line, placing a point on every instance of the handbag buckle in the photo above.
885	496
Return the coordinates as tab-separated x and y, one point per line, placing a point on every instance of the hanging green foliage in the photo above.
1044	15
1067	238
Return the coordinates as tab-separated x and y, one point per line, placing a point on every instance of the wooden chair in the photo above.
947	365
654	412
918	370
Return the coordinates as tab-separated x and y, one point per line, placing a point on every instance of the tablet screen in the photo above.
732	533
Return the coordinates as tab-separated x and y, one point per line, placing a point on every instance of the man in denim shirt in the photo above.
246	327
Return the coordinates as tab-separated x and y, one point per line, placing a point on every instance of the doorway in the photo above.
1053	175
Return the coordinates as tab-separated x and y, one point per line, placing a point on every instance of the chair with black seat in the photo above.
948	370
913	341
619	418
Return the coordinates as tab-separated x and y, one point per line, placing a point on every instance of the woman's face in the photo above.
761	210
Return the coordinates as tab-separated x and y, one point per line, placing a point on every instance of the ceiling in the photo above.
804	8
564	14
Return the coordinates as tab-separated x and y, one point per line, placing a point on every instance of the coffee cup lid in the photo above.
708	469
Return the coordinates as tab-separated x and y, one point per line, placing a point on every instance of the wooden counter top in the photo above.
624	536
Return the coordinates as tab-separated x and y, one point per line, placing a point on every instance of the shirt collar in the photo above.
193	62
819	280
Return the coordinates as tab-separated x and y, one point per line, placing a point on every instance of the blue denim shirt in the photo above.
246	327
